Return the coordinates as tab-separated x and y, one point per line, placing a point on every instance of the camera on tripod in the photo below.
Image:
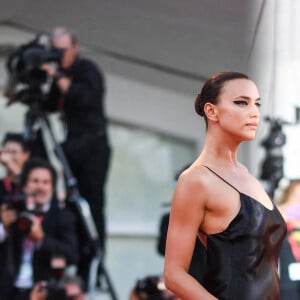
273	163
25	207
26	77
28	82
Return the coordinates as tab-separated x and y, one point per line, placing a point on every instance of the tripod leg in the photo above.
103	271
92	279
97	269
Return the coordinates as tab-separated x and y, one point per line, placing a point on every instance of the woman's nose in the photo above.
255	112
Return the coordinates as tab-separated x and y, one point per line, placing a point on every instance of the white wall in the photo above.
275	66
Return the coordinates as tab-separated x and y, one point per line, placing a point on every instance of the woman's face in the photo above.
238	108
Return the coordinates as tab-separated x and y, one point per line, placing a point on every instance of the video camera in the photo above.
26	78
25	207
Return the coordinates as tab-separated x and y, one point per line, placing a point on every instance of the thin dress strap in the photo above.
221	178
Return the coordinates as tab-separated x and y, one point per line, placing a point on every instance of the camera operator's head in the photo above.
38	178
14	152
62	38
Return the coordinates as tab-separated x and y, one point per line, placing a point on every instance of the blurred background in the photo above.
155	56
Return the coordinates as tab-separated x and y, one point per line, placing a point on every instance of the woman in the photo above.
218	201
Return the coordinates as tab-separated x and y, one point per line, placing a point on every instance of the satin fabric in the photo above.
242	260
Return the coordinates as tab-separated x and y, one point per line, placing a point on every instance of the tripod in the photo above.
97	266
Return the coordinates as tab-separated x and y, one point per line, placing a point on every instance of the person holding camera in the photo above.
68	288
78	91
13	154
35	234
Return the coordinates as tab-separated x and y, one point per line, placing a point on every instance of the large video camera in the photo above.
27	81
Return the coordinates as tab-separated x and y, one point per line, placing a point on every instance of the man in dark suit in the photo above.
35	236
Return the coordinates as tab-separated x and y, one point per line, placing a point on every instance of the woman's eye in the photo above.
240	102
258	104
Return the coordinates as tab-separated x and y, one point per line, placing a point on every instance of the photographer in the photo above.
68	288
78	90
13	154
36	234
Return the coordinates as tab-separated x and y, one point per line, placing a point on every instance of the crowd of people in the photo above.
37	228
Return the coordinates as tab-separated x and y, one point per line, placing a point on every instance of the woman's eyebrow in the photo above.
247	98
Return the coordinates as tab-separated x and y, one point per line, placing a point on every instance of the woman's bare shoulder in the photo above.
194	181
194	174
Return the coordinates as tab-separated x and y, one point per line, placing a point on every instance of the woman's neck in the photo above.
220	149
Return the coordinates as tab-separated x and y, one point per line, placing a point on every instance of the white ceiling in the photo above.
183	40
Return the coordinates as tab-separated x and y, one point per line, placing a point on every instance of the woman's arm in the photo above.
187	213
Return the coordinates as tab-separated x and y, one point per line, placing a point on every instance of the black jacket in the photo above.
83	108
59	225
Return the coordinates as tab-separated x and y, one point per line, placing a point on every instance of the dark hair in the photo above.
212	89
36	163
16	138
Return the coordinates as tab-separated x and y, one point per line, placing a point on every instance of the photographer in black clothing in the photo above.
78	91
35	235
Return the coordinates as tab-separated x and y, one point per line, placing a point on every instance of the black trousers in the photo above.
90	167
89	159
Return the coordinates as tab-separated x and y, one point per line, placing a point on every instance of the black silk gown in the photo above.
242	260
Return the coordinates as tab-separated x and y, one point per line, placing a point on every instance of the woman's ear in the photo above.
211	111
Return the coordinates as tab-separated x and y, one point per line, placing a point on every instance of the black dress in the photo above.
242	260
